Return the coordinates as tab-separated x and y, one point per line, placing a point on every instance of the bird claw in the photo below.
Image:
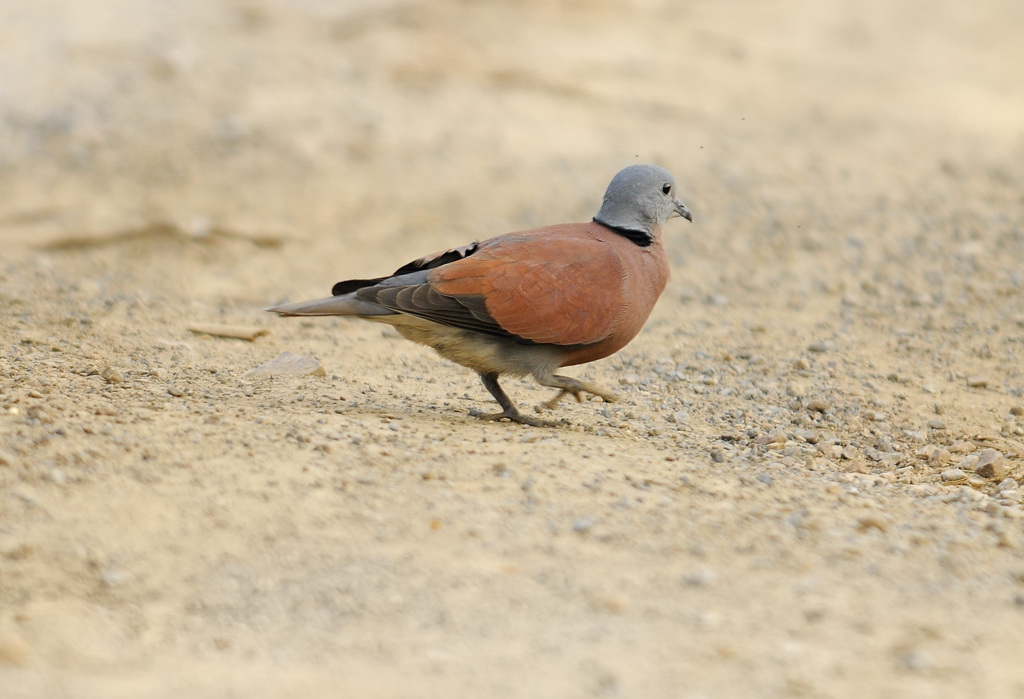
516	417
553	403
577	393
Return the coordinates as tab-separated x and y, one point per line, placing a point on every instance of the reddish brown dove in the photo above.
529	303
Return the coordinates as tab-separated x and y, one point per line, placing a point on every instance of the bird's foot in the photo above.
508	408
516	417
553	403
577	393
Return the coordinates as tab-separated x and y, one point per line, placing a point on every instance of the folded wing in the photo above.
537	288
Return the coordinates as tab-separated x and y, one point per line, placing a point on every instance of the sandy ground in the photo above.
809	488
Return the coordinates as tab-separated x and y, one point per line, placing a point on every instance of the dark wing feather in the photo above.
437	259
423	301
424	263
350	285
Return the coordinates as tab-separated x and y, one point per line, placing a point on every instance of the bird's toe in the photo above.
553	402
516	417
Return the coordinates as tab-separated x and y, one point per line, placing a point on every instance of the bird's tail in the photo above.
343	305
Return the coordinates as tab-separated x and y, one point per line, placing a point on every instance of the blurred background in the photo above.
348	123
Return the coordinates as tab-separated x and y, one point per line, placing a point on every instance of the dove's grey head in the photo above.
639	199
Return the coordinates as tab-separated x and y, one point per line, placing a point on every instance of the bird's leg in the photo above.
508	408
572	387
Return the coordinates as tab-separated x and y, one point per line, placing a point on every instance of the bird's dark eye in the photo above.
666	188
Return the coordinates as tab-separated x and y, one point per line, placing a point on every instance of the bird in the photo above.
530	302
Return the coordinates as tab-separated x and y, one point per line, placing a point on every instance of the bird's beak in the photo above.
682	210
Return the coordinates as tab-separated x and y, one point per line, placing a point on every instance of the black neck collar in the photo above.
640	238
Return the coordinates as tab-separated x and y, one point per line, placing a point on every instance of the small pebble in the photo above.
14	651
832	451
112	375
1007	484
809	436
916	660
583	524
1007	496
951	475
962	447
26	495
968	463
776	436
819	405
37	412
701	577
1009	538
288	364
977	381
114	577
938	456
990	464
873	520
797	389
679	417
936	424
